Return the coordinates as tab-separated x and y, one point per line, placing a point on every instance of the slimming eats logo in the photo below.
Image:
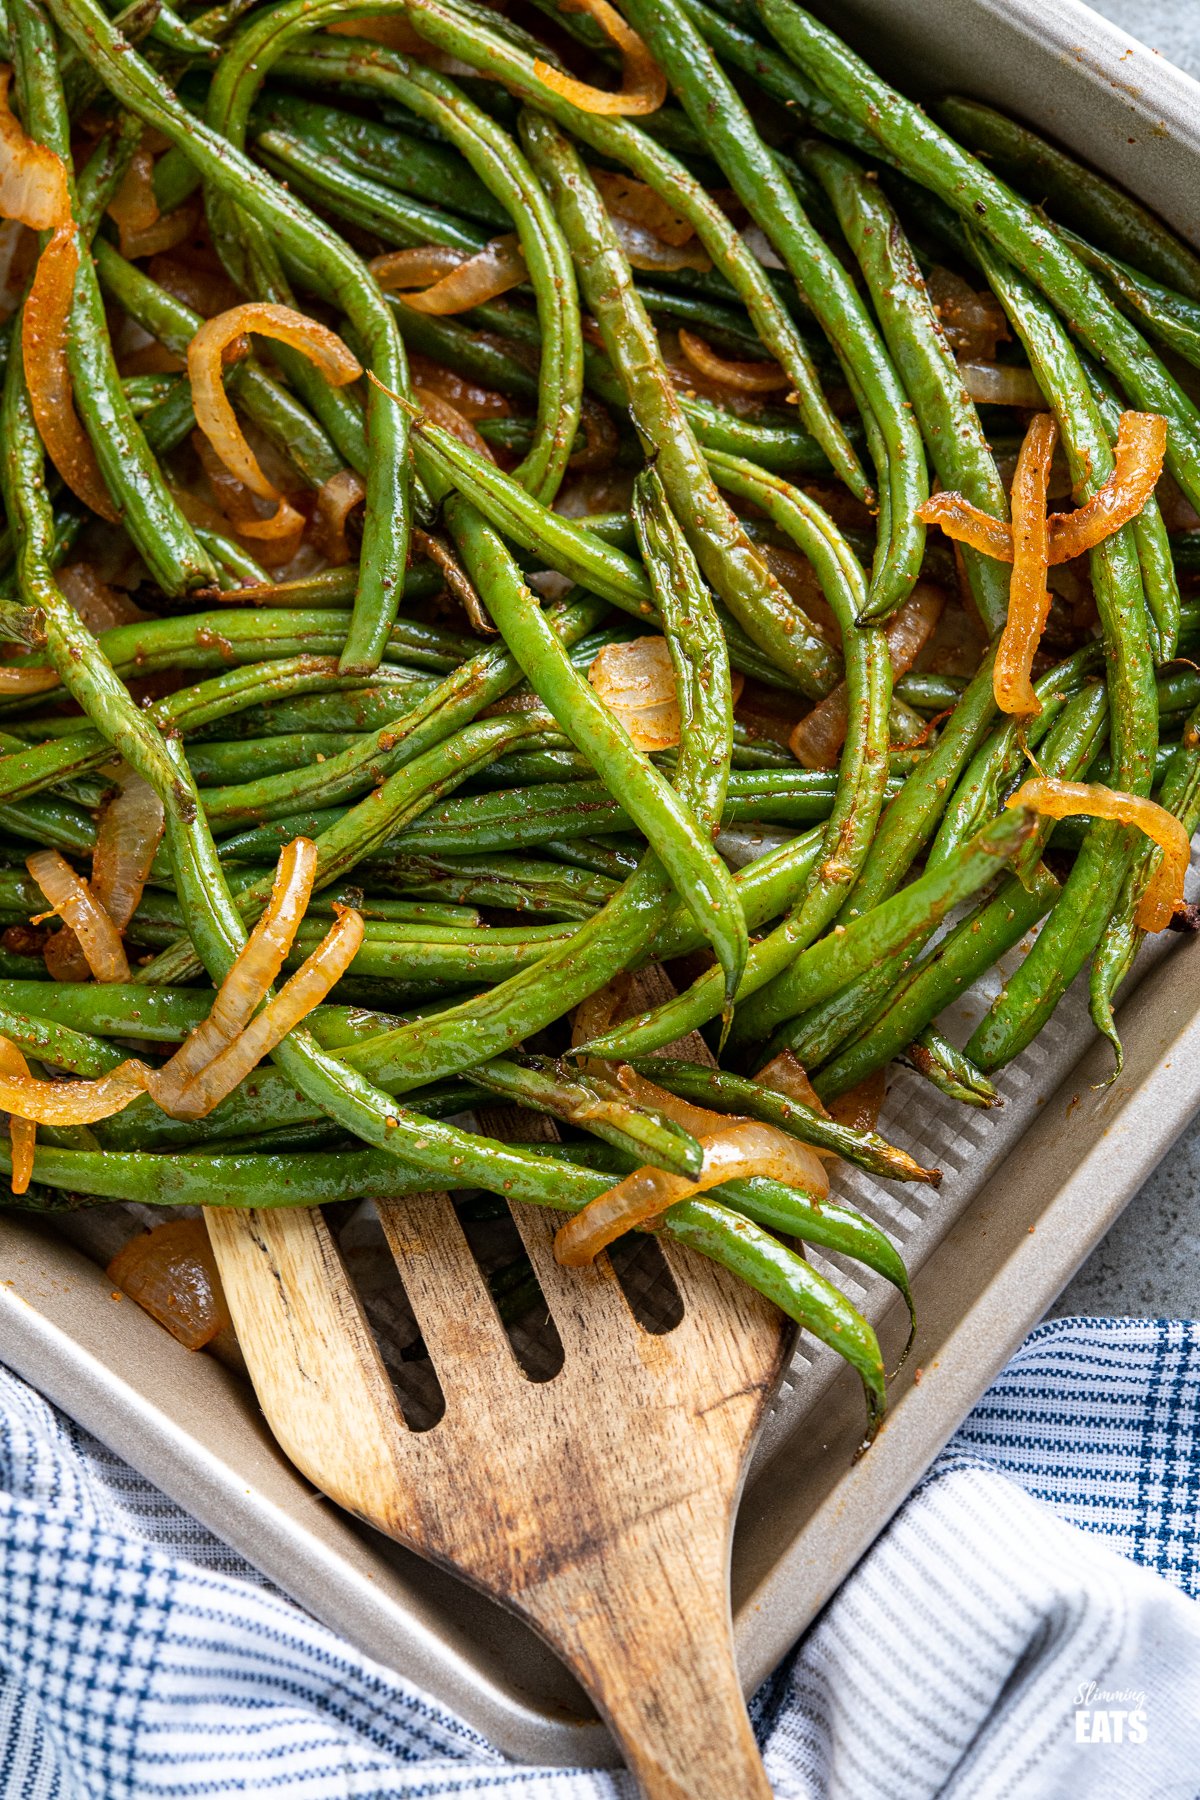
1109	1715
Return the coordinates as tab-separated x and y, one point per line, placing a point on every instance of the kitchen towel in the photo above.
1027	1626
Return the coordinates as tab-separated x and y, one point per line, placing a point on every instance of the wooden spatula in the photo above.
598	1505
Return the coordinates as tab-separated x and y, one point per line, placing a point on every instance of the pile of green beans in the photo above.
544	478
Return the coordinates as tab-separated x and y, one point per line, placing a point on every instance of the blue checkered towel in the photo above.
1026	1626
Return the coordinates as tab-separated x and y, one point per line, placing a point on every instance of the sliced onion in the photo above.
1028	595
130	830
644	250
167	232
100	606
33	181
451	420
963	521
21	679
785	1074
73	901
64	958
739	1149
859	1107
214	414
44	321
974	323
465	396
634	201
197	279
22	1133
636	682
999	384
73	1102
700	1121
308	987
818	738
1138	461
743	377
643	84
458	285
246	985
1071	799
336	500
134	206
172	1274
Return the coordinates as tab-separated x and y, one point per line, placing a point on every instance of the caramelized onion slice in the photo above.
785	1074
307	988
973	322
73	1102
739	1149
19	680
1071	799
172	1274
818	738
44	321
963	521
645	250
1028	595
1138	463
247	983
636	682
635	201
77	906
450	419
22	1133
33	181
999	384
131	828
214	414
491	272
744	377
336	500
643	84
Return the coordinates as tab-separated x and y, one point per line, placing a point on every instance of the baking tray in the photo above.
1028	1191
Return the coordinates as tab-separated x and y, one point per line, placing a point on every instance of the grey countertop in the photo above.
1149	1264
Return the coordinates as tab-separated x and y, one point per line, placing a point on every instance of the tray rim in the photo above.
343	1581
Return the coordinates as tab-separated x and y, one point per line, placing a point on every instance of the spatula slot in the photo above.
647	1283
389	1314
504	1262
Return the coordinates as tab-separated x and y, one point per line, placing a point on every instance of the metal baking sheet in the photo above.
1027	1193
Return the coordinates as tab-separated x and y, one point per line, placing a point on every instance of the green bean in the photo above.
909	138
1123	936
131	475
1078	919
1000	760
1172	318
517	884
501	168
292	430
715	107
862	777
944	410
1074	194
949	1071
330	265
723	1092
408	164
988	933
478	41
464	693
1159	583
898	924
676	835
729	561
594	1106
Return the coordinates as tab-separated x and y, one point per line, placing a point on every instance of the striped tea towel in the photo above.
1027	1626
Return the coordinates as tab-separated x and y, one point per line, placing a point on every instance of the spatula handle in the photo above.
646	1628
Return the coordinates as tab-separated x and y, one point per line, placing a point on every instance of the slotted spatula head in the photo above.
598	1504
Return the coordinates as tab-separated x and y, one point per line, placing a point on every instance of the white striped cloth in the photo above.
1026	1627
